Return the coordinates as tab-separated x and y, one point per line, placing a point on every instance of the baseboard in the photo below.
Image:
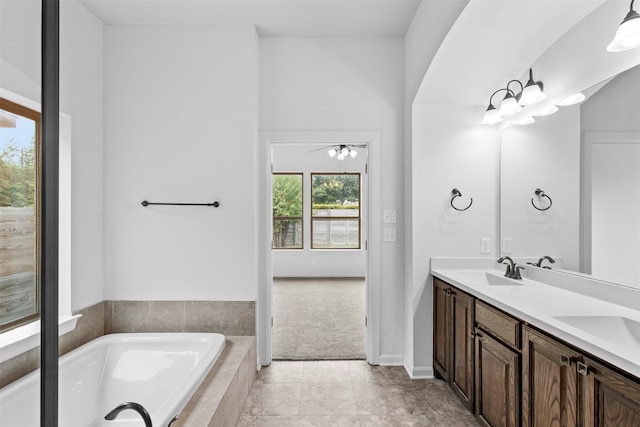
391	360
419	372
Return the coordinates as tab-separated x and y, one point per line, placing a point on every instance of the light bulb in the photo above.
333	152
353	154
344	151
340	156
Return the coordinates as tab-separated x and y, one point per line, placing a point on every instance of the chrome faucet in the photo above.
130	405
539	263
513	270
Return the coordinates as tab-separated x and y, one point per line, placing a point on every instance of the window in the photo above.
19	214
335	211
287	210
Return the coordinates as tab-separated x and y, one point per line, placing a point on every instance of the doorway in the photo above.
319	259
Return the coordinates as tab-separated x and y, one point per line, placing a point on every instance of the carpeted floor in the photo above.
318	319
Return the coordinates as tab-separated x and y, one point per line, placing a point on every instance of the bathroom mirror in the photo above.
570	182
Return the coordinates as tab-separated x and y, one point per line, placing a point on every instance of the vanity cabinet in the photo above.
610	399
549	381
453	323
497	367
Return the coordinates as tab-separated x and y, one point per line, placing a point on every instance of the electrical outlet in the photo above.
485	245
506	245
389	235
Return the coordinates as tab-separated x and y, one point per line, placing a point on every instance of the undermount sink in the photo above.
496	280
615	329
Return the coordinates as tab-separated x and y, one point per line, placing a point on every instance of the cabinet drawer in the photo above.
499	324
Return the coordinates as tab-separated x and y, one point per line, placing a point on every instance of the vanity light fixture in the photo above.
571	100
628	33
342	151
512	103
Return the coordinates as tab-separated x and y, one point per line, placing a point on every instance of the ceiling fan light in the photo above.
571	100
628	33
333	152
340	156
546	111
344	150
491	116
353	153
509	106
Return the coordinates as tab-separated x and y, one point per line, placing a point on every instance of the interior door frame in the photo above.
267	139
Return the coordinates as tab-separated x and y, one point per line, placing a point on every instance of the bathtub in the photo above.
160	371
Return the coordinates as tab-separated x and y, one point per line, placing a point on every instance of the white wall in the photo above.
429	27
180	126
350	84
545	155
81	38
308	159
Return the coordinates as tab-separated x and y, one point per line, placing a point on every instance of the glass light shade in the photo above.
491	116
531	94
353	153
525	121
333	152
340	156
546	111
628	34
344	151
509	106
570	100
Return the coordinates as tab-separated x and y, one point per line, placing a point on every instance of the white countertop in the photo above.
607	330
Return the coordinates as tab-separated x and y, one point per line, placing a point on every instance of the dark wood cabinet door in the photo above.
462	335
497	383
549	382
610	399
441	333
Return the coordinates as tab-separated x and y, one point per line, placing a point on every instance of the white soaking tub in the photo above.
160	371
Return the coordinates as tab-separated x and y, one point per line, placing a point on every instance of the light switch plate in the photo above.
390	216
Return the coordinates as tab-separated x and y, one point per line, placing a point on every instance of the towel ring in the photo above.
541	194
456	193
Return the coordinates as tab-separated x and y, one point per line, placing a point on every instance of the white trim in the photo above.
25	337
267	138
391	360
589	140
419	373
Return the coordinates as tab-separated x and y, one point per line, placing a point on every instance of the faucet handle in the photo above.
516	272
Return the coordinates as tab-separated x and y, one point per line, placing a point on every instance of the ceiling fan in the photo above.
342	151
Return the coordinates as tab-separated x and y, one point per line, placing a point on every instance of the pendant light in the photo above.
509	105
628	33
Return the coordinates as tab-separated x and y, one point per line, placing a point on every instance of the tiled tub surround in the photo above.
544	298
226	317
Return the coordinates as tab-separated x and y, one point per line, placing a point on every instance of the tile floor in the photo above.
348	393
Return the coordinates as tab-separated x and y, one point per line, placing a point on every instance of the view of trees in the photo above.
287	211
335	191
17	175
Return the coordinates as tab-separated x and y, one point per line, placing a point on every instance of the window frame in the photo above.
23	111
334	218
290	218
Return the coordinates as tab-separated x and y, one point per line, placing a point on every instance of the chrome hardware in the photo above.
565	361
582	368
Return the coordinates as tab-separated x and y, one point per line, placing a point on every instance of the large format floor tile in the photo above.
349	393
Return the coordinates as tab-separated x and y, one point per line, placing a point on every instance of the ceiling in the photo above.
273	18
